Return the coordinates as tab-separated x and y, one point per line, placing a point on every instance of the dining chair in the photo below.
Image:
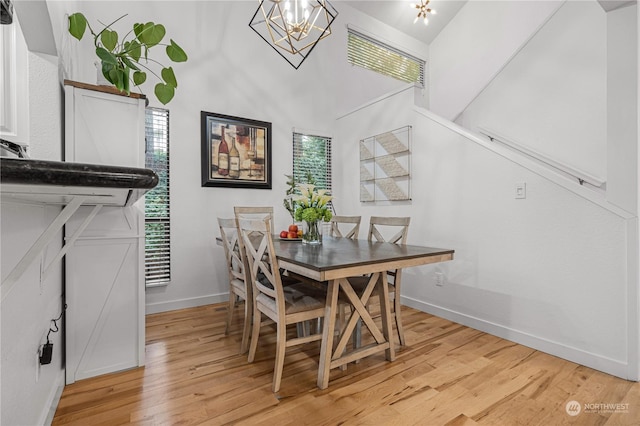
239	287
352	224
392	230
285	305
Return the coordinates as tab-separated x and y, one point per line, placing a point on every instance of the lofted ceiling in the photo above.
400	15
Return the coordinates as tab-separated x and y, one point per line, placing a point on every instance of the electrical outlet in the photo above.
439	279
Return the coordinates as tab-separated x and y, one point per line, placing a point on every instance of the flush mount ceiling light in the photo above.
293	27
422	11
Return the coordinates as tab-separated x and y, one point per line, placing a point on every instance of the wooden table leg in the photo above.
326	348
385	312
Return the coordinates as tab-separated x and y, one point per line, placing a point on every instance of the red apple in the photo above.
293	228
284	234
293	235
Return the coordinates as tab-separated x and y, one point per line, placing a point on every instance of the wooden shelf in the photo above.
103	89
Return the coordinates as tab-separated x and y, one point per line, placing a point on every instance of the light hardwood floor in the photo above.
447	374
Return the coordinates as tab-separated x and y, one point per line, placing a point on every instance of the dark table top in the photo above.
350	255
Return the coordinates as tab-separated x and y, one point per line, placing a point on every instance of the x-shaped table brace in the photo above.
330	358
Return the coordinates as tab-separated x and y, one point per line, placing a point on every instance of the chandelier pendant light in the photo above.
422	11
293	27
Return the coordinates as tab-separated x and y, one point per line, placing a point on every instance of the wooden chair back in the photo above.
251	212
231	245
352	226
263	270
380	226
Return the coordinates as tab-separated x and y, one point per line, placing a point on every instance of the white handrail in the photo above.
581	176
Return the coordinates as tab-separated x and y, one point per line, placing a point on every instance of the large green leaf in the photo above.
164	93
139	77
125	80
133	49
110	72
119	79
151	34
106	56
169	77
109	39
137	28
106	71
175	52
77	25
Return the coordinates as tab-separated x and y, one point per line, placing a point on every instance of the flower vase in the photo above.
312	232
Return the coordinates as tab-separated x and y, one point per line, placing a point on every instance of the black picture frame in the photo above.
249	139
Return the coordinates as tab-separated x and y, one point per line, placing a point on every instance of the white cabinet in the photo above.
104	287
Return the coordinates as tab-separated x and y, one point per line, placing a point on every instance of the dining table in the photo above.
333	262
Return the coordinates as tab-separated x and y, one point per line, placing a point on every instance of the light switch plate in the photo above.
521	190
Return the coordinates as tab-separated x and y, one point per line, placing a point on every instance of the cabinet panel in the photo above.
102	128
103	308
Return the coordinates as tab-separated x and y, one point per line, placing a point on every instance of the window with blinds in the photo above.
312	154
157	201
377	56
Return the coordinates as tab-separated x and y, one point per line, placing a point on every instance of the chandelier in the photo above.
293	27
422	11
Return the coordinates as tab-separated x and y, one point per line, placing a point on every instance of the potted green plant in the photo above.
124	60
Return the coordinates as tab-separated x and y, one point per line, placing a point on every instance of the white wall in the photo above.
473	48
622	110
27	389
552	97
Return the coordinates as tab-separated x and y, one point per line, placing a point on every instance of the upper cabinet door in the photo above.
14	89
103	128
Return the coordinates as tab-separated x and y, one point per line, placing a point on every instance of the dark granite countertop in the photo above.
62	178
40	172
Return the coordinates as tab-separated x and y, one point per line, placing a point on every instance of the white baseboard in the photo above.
592	360
46	418
192	302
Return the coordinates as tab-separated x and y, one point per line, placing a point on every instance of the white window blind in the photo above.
157	201
377	56
312	154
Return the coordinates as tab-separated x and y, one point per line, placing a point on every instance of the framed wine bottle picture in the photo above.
236	152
